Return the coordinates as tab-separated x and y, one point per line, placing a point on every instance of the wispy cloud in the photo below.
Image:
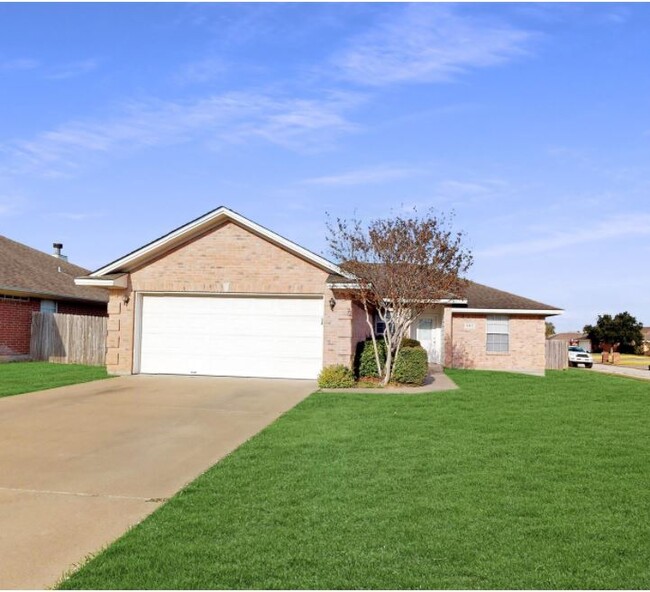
428	43
11	204
73	69
618	226
231	117
201	71
366	176
17	64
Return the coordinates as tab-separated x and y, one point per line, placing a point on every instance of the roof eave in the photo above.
102	282
45	295
510	311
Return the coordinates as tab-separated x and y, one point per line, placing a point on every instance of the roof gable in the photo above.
24	270
196	228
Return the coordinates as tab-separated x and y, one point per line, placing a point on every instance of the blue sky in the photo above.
530	121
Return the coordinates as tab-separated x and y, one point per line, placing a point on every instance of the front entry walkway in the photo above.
81	464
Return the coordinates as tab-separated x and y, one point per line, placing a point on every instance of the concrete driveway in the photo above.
80	464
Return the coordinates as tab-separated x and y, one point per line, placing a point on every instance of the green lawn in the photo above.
509	482
25	377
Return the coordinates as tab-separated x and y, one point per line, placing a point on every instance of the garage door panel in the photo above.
270	337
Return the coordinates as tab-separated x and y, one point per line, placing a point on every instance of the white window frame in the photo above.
497	324
53	308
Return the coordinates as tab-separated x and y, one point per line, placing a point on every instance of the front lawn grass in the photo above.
509	482
633	361
25	377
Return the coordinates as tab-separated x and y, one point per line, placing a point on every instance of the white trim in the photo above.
511	311
302	296
352	286
341	286
137	333
120	282
205	222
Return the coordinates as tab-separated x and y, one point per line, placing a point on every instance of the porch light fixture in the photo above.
126	299
332	303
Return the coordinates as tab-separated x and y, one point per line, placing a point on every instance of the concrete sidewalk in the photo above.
622	371
81	464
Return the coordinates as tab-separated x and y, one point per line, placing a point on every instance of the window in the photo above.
498	336
380	326
48	306
14	298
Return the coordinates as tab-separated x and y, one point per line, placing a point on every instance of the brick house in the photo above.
223	295
33	281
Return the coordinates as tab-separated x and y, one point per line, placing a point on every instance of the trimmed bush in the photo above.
411	366
365	365
336	376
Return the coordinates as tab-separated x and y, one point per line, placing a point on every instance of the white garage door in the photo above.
229	336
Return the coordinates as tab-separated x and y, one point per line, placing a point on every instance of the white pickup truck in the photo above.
578	355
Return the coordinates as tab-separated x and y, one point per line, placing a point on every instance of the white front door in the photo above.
428	333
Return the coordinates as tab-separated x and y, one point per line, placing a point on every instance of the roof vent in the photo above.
57	251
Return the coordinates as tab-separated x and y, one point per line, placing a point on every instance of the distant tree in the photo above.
550	329
399	266
621	332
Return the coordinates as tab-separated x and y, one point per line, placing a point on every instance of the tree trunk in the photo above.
374	339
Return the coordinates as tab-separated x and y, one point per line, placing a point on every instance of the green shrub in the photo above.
365	365
411	366
336	376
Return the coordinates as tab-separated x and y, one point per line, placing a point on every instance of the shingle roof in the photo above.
568	336
28	271
481	296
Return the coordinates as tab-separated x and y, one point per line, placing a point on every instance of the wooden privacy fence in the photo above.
68	339
557	356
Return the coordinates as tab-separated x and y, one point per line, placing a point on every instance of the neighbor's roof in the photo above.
479	297
646	333
568	336
26	271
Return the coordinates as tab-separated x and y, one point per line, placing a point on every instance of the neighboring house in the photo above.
223	295
33	281
574	338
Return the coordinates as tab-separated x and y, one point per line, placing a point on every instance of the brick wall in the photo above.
16	321
228	259
16	325
465	344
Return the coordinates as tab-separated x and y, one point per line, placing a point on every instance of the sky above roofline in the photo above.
529	121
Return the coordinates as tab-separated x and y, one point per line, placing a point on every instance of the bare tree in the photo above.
399	266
